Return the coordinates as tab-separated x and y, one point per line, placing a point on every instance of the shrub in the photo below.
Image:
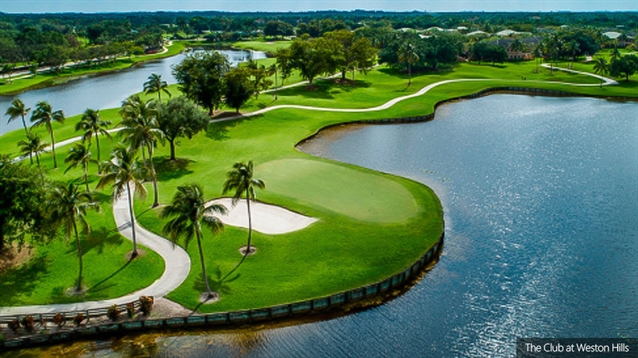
28	323
130	309
146	304
14	325
113	313
78	319
59	320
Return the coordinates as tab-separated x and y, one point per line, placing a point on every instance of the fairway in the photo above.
357	194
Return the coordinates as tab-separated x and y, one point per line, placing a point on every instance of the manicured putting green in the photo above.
357	194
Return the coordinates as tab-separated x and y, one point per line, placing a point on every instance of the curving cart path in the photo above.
177	261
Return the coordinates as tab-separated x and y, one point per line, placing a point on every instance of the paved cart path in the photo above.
177	261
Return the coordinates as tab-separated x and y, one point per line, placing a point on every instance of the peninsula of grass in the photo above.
371	225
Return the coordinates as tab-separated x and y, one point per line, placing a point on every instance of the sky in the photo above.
92	6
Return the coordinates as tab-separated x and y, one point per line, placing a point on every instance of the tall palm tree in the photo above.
66	206
188	211
240	179
79	154
408	55
141	131
156	85
33	145
44	115
93	126
123	172
18	109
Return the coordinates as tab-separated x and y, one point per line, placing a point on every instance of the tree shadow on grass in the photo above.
100	238
171	169
324	89
22	280
94	288
219	130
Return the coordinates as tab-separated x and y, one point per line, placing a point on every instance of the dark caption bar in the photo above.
577	347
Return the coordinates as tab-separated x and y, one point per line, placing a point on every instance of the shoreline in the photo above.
517	90
64	78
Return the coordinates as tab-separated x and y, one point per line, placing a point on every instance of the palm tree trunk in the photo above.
55	162
172	146
24	124
154	176
409	73
201	258
86	177
97	141
37	158
250	225
78	288
130	211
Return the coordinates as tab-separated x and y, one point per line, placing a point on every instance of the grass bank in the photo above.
48	79
371	225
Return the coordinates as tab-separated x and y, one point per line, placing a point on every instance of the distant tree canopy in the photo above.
278	29
431	52
200	77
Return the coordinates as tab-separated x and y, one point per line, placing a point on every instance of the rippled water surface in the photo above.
106	90
541	196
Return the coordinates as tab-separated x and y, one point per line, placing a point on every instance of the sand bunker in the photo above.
267	219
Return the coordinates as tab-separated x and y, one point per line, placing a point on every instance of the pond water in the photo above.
106	90
540	197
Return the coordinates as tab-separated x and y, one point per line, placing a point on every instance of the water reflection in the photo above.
541	235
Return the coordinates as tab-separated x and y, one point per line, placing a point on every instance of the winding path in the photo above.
177	261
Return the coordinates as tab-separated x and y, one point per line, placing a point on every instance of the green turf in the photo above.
107	273
371	225
265	46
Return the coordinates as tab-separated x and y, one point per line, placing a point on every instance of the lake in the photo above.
540	197
106	90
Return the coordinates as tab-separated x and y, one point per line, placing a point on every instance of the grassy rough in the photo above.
371	225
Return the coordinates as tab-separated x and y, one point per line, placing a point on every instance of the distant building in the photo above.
529	43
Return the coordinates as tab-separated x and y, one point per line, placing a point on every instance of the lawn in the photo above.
262	45
371	225
107	273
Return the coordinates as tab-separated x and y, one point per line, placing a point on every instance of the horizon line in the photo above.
321	10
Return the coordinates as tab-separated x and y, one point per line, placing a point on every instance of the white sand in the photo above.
267	219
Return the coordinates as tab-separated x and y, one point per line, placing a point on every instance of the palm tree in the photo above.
44	115
33	145
615	54
240	179
188	211
123	172
79	154
93	126
601	66
155	84
141	130
409	55
66	206
18	109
